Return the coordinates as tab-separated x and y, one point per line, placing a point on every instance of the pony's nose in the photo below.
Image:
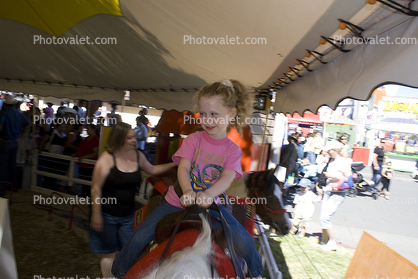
286	228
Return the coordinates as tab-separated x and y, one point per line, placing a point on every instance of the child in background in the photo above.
387	175
304	207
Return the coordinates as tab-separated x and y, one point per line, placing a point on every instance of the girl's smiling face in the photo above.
215	117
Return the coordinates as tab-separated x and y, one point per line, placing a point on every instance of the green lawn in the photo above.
298	258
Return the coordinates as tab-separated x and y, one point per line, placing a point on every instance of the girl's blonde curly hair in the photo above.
232	94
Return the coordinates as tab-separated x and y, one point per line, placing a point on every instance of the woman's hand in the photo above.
96	222
188	198
203	200
377	167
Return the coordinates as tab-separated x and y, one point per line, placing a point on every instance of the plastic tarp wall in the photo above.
7	259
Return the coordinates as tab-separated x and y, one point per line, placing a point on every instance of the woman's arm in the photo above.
334	175
45	138
100	173
151	169
91	155
374	162
70	140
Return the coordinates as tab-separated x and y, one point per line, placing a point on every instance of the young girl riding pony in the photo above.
208	162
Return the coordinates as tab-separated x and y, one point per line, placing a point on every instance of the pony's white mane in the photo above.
191	262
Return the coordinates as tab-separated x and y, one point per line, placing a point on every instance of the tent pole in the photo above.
33	113
123	104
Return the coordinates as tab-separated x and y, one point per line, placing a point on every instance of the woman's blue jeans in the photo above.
145	234
330	204
375	174
311	156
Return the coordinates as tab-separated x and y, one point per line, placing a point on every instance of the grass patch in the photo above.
298	258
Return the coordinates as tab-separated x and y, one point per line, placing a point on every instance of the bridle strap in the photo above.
194	208
172	237
276	211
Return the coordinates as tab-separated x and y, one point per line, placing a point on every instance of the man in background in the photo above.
141	133
12	125
289	154
49	112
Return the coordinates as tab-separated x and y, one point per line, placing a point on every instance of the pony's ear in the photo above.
280	173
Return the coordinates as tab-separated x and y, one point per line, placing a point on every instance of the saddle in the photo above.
166	226
178	222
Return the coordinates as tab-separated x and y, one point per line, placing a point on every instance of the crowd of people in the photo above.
332	167
323	169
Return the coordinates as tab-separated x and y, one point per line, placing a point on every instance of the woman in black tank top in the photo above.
116	176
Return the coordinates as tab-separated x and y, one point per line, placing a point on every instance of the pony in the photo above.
263	189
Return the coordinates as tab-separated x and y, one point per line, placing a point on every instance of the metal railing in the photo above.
69	174
266	252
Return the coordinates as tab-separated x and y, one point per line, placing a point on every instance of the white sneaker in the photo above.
330	246
320	244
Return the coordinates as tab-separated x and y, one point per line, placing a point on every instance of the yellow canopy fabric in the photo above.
56	16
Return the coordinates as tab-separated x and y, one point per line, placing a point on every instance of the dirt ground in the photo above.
43	244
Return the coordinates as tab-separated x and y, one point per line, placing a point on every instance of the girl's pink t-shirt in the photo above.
208	157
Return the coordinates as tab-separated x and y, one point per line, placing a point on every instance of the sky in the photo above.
401	91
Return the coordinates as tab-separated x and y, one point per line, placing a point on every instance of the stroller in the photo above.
414	174
360	184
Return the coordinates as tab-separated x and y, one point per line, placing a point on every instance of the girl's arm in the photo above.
295	209
151	169
100	173
205	198
183	176
384	172
318	196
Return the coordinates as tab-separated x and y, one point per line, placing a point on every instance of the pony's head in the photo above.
194	261
264	187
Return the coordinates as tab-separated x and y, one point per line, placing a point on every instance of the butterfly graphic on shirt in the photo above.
200	180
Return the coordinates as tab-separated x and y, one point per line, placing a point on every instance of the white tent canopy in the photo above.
356	74
151	54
